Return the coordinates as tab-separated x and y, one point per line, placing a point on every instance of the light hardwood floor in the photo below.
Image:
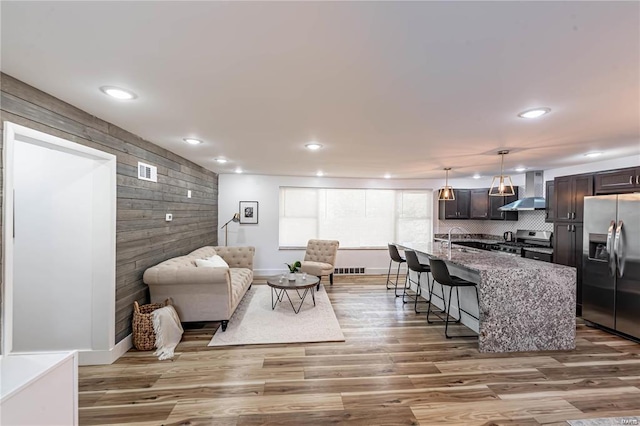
393	369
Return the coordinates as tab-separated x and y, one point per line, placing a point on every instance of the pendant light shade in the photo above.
502	186
446	192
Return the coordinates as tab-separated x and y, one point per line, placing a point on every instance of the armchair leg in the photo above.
224	325
331	278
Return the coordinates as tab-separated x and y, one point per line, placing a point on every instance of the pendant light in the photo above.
446	192
502	186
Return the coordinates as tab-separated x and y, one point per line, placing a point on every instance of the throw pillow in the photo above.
219	261
212	262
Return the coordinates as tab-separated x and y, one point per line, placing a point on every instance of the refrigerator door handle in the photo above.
611	264
618	250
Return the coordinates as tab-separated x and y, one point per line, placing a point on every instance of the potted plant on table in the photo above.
293	268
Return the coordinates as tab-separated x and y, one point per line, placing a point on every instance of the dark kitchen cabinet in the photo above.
618	181
479	204
569	193
567	250
549	202
543	257
458	208
496	202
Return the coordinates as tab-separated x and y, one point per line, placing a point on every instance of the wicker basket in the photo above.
144	338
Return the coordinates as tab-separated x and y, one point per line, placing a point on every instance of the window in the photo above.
358	218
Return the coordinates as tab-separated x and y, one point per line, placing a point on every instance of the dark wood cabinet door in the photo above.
479	205
563	240
549	201
463	200
615	182
449	209
582	187
510	199
563	191
494	204
637	177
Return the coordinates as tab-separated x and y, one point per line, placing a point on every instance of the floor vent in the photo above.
350	270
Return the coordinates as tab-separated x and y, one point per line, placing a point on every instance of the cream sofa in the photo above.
203	293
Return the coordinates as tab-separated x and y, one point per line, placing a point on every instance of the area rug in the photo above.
255	323
613	421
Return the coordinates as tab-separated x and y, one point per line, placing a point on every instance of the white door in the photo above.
60	244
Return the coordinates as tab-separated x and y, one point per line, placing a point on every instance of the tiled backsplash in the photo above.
533	220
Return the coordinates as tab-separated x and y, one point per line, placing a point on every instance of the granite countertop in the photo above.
480	260
523	304
545	250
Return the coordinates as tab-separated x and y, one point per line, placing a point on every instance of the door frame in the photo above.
12	133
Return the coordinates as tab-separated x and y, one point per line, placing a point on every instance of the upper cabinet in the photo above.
458	208
479	204
496	202
618	181
549	202
569	193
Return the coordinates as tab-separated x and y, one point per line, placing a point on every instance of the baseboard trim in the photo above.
89	357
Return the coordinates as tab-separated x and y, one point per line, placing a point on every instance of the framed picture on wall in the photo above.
248	212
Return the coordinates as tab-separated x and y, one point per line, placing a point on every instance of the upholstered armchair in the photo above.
320	258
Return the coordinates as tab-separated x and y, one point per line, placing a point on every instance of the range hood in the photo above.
534	184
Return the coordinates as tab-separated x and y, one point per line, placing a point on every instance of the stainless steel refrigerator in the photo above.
611	262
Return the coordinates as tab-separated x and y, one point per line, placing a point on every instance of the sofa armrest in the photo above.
172	275
237	257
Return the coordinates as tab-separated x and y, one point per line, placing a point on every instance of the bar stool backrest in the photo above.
412	261
440	271
393	252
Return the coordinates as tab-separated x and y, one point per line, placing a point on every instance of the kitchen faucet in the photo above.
449	238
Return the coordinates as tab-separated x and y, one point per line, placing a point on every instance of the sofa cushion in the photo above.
316	268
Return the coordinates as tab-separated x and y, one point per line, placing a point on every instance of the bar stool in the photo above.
395	257
440	274
414	265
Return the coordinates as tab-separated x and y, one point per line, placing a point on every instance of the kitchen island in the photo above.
524	304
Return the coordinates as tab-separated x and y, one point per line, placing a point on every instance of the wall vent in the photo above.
349	270
147	172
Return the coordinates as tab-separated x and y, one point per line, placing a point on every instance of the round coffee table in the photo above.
280	288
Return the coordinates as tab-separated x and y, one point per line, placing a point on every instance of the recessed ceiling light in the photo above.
520	169
593	154
477	176
118	93
313	146
534	113
238	170
192	141
221	160
319	173
387	176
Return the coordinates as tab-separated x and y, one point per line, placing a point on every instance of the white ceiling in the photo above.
404	88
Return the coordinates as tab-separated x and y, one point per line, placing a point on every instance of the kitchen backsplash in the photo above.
533	220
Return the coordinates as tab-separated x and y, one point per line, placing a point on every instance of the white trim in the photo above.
11	132
89	357
7	238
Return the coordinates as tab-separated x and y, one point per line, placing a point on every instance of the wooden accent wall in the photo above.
143	237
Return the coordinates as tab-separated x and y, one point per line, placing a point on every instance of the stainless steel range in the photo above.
524	238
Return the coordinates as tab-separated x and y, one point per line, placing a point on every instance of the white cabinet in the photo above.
39	389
